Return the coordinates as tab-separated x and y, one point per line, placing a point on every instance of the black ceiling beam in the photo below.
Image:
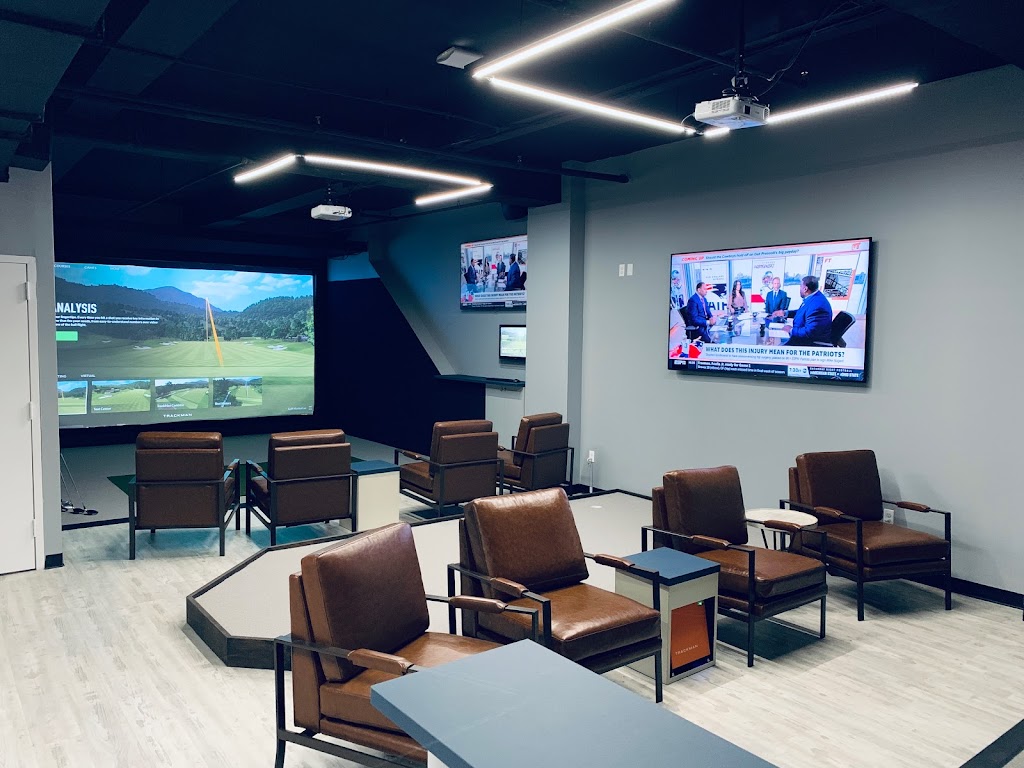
136	147
25	117
49	25
312	197
648	86
570	9
299	130
188	185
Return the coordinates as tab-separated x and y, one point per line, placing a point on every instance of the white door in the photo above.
17	512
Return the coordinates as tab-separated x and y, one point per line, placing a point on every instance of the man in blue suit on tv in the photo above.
701	314
776	302
813	319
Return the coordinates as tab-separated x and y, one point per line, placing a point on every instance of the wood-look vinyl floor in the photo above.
97	668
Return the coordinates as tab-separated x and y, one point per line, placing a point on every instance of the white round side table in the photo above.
757	517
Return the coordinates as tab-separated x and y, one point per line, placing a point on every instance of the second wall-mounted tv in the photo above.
147	345
787	312
512	343
494	274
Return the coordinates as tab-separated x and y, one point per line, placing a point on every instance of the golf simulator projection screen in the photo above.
786	312
148	345
494	274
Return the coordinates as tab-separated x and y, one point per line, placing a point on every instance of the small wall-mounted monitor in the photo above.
512	343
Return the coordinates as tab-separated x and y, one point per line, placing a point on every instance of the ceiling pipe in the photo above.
293	130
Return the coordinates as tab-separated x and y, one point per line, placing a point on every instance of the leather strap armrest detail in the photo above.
478	604
382	662
508	586
913	506
414	456
782	526
711	542
829	512
613	561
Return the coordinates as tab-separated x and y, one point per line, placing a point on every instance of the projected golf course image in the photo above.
210	344
124	396
229	393
71	397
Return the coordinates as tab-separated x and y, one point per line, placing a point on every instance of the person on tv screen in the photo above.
501	269
514	280
738	299
812	321
676	295
701	314
471	277
776	302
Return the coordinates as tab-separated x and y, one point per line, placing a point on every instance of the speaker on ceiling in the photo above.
513	212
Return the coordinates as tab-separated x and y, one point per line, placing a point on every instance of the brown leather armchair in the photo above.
358	618
842	489
538	455
180	482
309	479
462	465
525	546
701	511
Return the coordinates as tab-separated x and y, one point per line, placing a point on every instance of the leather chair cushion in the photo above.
884	543
775	573
355	603
184	440
307	437
845	480
417	474
527	537
259	491
527	423
464	427
350	701
585	621
708	502
512	470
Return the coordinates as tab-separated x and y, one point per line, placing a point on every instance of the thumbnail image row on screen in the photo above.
132	395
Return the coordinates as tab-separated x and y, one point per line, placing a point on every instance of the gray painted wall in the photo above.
418	260
943	199
26	229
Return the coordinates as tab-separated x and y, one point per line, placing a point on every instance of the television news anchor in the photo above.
701	315
812	320
776	302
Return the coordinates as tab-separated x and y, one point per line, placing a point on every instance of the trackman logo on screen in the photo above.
66	308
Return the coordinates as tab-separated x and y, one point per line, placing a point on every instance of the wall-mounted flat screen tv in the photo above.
787	312
494	274
148	345
512	343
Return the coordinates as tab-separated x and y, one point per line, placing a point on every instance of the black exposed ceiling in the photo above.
152	106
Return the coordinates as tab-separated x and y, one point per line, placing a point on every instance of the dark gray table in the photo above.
522	704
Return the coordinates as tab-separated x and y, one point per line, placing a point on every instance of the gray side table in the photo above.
689	615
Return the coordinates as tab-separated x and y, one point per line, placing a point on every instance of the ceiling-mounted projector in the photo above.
732	112
331	213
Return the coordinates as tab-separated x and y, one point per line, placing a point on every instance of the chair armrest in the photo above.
255	468
610	560
409	455
232	468
382	662
506	586
711	542
835	514
913	506
780	525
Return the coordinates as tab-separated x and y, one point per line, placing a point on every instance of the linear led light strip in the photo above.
826	106
455	194
386	169
593	107
572	34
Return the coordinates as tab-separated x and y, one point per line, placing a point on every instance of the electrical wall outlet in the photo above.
629	270
887	515
591	457
622	270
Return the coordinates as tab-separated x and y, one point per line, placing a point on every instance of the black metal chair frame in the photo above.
346	750
518	591
857	575
440	469
509	485
269	516
219	484
837	340
748	616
